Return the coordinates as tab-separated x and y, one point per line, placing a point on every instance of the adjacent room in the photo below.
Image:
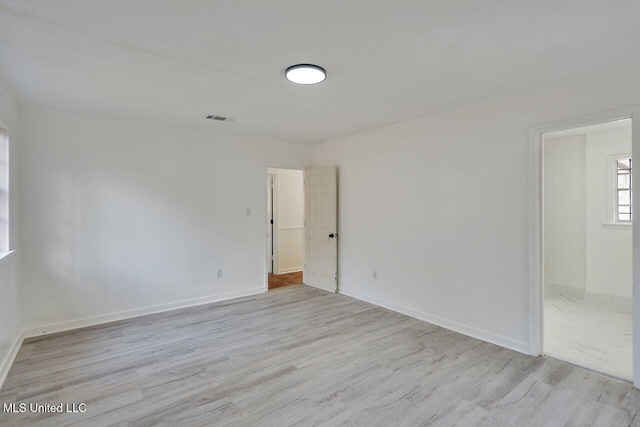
588	276
376	213
285	227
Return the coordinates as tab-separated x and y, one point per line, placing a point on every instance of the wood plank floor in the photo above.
287	279
301	356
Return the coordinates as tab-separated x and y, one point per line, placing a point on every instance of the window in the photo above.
4	189
623	203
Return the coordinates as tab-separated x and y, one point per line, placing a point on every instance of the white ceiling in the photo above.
172	62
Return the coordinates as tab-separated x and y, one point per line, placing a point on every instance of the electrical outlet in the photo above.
219	272
375	274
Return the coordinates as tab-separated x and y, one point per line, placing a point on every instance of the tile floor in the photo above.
591	334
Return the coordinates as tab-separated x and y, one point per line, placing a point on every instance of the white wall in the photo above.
439	207
565	206
119	216
609	250
9	265
289	220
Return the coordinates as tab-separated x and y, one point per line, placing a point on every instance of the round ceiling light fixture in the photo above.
305	74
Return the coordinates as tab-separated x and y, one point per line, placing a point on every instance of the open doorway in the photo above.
587	247
285	227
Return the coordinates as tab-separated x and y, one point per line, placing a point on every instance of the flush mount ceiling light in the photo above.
305	74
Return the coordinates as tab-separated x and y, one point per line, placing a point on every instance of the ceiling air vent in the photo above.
219	118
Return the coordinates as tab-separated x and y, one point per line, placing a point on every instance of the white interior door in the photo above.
321	232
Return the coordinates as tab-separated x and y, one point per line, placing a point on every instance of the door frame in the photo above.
536	221
270	252
263	212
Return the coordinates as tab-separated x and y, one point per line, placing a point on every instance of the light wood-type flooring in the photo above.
300	356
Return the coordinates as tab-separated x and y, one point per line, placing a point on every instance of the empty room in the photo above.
376	213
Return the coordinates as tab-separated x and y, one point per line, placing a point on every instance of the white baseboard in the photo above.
519	346
564	290
625	303
129	314
289	270
9	358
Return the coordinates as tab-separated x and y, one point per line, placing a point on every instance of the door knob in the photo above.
332	235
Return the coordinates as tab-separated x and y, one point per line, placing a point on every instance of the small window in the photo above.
4	189
624	206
